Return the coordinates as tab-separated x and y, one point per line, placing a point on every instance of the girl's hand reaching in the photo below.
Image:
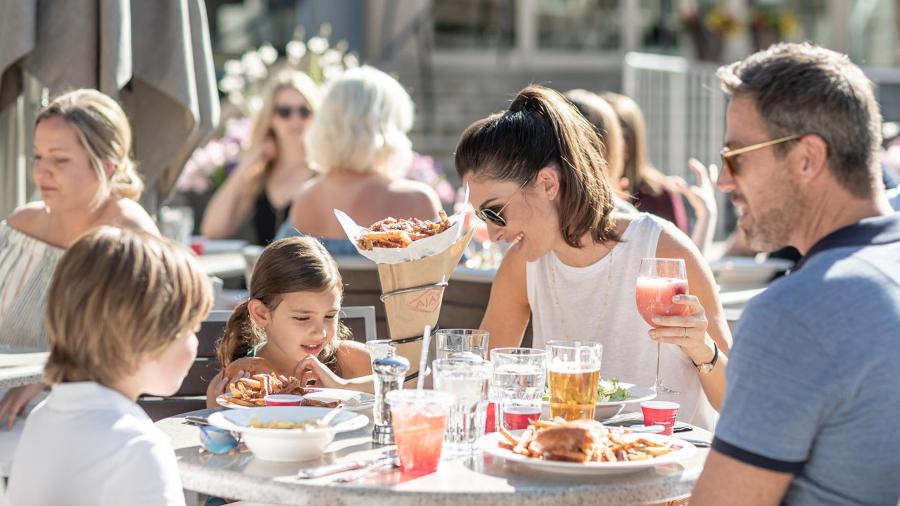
314	373
241	368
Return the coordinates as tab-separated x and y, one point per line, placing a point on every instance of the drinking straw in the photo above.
426	337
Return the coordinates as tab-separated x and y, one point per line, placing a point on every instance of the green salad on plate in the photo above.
609	390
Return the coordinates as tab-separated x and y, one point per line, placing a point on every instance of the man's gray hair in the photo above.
807	89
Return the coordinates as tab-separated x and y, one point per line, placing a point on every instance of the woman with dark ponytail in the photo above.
289	324
536	175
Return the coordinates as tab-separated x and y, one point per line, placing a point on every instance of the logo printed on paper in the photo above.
427	302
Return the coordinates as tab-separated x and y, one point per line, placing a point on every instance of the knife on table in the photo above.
340	467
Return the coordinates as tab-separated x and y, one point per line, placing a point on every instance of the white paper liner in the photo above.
422	248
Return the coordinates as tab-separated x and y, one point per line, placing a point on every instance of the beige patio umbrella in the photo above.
154	57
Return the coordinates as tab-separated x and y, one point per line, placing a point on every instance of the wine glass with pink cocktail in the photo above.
658	281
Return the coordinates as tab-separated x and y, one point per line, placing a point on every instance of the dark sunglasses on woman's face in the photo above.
284	112
488	214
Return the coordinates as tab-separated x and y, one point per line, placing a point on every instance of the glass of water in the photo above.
176	223
467	379
380	348
448	341
517	385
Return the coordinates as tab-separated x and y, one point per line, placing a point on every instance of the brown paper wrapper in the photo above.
409	312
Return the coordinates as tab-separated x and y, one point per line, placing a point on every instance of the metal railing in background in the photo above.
683	106
685	113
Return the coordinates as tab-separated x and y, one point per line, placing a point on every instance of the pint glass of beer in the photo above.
573	370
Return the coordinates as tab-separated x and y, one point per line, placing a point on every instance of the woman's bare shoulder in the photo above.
129	214
311	186
420	199
622	221
675	243
28	218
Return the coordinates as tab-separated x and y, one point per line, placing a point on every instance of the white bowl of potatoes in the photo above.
287	434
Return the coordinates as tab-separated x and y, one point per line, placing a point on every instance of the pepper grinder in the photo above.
389	372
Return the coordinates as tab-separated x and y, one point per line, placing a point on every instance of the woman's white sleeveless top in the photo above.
573	303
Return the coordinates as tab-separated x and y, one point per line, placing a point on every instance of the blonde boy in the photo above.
122	310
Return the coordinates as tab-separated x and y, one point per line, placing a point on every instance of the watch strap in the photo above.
706	368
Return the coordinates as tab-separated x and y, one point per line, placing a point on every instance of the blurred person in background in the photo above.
651	191
360	148
606	123
273	167
83	169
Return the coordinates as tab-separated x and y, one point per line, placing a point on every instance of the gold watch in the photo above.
708	367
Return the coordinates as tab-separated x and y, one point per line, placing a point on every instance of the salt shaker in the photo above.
389	372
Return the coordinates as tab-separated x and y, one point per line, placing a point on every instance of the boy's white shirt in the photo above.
88	444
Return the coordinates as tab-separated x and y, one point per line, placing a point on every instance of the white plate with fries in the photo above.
679	450
321	397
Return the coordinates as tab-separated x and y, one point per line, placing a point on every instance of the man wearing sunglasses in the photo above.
813	390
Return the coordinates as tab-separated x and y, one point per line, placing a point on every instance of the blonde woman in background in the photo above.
360	146
273	166
651	191
606	123
82	142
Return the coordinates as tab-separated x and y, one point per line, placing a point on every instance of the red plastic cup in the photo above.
283	400
660	413
490	420
519	417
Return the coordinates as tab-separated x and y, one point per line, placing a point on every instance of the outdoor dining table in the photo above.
476	480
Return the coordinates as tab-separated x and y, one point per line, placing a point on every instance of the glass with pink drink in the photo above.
659	280
419	418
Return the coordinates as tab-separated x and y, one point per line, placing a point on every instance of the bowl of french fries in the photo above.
584	447
287	434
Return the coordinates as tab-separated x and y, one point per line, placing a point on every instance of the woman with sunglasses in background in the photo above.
536	175
272	168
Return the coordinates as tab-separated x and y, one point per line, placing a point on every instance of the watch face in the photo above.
706	368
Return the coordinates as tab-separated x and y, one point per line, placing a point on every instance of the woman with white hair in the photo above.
359	146
83	169
272	167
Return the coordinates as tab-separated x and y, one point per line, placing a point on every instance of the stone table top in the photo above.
480	480
18	367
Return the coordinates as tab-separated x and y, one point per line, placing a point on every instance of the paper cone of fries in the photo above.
413	279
